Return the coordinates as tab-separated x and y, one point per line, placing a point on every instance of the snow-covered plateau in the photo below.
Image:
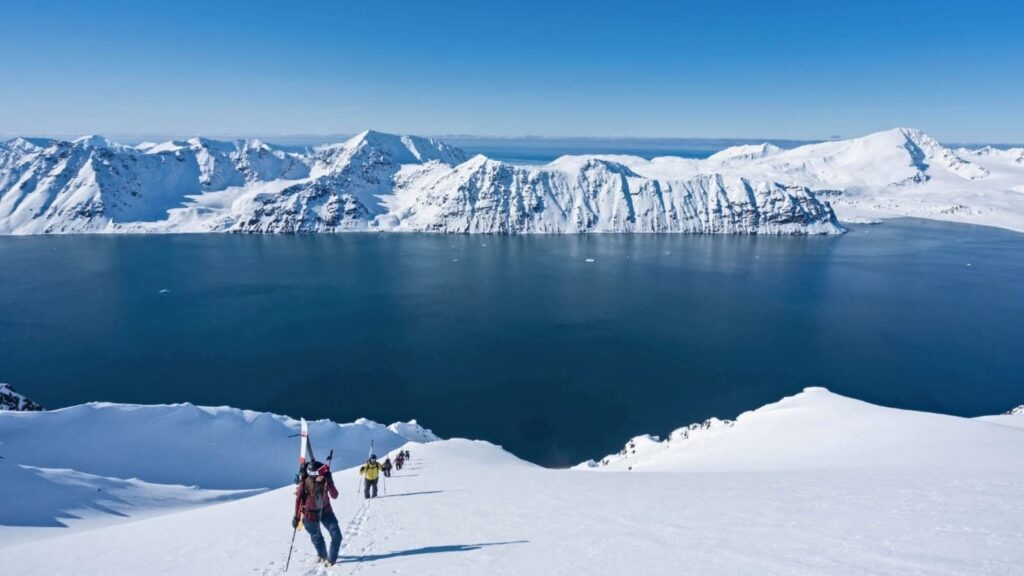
383	182
816	483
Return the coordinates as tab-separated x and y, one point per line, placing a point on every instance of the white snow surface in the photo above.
1014	417
819	429
412	430
803	486
183	444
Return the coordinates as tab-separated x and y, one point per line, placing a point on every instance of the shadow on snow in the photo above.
427	550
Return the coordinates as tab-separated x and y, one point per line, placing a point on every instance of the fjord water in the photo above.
519	340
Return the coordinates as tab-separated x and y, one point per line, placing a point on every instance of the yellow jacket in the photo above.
370	470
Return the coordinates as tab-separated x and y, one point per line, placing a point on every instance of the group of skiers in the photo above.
387	466
313	498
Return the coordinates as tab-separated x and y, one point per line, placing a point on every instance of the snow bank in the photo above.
183	444
46	498
1013	417
819	430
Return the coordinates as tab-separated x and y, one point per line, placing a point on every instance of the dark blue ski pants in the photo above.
330	522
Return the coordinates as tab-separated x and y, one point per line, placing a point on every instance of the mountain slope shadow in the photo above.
50	497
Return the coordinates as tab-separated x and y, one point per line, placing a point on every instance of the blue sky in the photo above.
620	69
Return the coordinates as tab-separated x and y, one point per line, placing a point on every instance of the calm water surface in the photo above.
519	340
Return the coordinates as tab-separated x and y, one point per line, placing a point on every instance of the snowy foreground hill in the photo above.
384	182
814	484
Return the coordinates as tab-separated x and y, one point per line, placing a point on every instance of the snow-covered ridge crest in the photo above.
646	446
373	181
385	182
183	444
817	429
412	430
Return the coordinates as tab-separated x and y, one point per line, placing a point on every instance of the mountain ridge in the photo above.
377	181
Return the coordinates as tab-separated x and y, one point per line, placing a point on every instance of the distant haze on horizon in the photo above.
728	71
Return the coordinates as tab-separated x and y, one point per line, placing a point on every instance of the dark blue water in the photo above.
518	339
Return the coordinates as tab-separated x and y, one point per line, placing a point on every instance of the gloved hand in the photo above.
295	522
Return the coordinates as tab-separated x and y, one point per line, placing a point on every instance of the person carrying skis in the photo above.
386	467
371	473
313	507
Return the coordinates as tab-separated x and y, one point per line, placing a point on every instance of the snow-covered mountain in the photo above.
11	400
813	484
384	182
373	181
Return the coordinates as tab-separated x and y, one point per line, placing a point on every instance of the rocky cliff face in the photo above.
12	401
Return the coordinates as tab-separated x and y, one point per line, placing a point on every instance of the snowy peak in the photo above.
11	401
96	141
413	432
920	144
746	152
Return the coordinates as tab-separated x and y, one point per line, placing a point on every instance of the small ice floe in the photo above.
455	259
167	291
968	264
590	260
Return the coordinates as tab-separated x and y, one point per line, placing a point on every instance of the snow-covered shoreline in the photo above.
390	183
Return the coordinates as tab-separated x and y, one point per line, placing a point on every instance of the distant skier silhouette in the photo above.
386	467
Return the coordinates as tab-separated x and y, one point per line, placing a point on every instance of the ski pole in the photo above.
295	529
291	547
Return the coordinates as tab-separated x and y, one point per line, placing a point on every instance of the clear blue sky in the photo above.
647	69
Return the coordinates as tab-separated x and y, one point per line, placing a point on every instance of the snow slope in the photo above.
819	429
1014	417
183	444
747	503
